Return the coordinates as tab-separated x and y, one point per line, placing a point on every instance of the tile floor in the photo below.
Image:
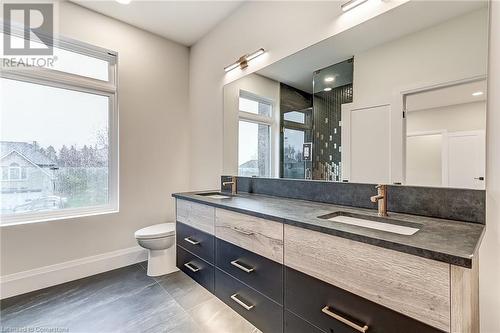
122	300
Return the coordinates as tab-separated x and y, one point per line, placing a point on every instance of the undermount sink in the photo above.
214	195
372	222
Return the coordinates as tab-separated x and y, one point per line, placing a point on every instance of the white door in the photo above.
369	140
466	159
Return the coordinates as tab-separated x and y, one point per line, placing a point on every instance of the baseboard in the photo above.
43	277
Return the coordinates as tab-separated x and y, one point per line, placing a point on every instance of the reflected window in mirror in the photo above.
254	135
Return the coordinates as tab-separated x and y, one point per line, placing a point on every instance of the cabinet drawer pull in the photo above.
358	328
240	302
191	267
235	263
190	241
242	231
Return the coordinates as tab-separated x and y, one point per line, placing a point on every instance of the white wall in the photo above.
489	267
454	118
453	50
301	24
153	99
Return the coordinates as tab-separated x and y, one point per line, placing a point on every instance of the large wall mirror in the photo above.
398	99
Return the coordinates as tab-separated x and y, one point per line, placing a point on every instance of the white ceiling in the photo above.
297	70
184	22
453	95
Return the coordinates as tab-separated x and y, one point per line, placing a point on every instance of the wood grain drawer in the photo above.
262	274
257	235
262	312
197	268
411	285
196	241
308	297
196	215
294	324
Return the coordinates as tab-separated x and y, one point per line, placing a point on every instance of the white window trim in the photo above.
58	79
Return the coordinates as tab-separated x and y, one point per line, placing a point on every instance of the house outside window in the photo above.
59	146
254	135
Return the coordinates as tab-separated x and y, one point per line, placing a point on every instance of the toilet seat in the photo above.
156	231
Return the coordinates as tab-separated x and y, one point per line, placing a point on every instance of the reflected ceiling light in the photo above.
242	62
351	4
329	79
327	89
477	93
124	2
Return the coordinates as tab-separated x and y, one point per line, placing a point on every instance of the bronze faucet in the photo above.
232	183
381	198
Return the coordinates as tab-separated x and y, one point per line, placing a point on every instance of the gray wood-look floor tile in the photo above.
184	290
124	300
216	317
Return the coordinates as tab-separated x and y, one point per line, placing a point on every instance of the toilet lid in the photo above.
156	231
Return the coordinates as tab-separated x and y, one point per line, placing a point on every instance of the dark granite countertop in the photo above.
448	241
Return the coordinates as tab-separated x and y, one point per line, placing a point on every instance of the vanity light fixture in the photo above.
124	2
329	78
327	89
477	93
351	4
242	62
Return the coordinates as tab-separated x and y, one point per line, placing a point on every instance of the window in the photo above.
14	171
254	135
295	116
59	135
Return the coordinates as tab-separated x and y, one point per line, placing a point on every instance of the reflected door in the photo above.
466	160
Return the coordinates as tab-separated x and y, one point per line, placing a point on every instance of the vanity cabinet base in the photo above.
261	311
335	310
294	324
197	268
260	273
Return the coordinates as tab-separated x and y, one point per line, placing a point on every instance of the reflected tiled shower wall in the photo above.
327	110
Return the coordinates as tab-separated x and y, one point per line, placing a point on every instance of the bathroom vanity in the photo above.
286	266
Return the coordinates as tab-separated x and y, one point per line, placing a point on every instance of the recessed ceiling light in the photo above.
477	93
124	2
329	79
351	4
327	89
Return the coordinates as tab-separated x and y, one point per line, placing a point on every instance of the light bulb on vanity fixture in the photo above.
242	62
348	5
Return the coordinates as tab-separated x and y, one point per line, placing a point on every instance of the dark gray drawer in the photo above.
261	311
307	297
197	268
196	241
262	274
294	324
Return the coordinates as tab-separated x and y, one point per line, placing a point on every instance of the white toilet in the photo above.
159	240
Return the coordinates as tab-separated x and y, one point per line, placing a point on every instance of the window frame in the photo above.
260	120
63	80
